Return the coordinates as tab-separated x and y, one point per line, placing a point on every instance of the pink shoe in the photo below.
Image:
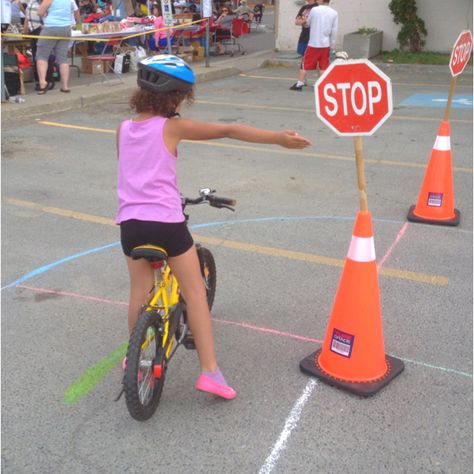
206	384
124	364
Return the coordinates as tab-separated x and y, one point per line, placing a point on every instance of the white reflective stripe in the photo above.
362	249
442	143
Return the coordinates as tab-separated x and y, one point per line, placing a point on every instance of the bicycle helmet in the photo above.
165	73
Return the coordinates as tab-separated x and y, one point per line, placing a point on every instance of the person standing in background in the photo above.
32	26
6	14
323	24
56	16
300	20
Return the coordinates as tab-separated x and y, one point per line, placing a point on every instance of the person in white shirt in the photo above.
323	24
6	14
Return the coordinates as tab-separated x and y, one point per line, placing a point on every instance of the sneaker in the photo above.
206	384
296	87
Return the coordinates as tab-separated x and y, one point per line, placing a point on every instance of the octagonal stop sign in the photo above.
353	97
461	53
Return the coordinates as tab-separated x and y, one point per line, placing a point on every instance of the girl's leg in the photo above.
186	269
141	283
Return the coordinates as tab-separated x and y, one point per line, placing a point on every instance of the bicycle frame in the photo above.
162	326
164	299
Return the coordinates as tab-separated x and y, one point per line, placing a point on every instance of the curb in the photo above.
83	96
291	60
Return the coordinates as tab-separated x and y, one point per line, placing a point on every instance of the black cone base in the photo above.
421	220
310	366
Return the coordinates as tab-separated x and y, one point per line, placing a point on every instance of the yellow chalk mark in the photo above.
277	151
243	246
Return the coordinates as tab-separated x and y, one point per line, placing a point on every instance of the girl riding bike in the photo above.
149	200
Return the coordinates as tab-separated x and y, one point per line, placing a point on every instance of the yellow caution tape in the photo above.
105	40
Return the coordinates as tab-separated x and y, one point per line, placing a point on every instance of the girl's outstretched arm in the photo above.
184	129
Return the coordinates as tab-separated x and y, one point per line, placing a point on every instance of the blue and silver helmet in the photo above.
165	73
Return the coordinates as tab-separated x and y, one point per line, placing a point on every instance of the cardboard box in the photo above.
108	65
198	53
28	75
91	65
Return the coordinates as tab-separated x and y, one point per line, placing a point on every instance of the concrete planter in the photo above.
360	45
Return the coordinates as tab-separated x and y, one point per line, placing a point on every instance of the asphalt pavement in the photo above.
279	261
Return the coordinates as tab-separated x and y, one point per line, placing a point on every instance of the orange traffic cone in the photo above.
353	356
436	199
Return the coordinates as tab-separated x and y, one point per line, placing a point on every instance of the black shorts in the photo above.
175	238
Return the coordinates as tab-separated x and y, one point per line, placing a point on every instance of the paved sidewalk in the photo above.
92	89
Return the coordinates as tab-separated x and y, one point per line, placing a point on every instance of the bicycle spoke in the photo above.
145	387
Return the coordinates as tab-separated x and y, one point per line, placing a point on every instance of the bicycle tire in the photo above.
209	273
140	405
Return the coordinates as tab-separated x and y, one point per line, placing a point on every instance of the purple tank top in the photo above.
147	187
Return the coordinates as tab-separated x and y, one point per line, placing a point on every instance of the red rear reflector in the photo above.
157	265
158	371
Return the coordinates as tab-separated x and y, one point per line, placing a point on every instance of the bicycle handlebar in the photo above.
208	195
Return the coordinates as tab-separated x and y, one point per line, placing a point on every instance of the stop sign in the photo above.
353	97
461	53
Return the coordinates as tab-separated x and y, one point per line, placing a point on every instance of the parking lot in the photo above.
279	260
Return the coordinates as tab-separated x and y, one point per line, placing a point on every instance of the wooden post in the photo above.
452	88
168	41
359	154
207	41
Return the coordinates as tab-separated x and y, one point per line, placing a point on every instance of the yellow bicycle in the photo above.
162	324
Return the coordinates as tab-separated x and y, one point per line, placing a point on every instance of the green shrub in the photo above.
413	31
366	31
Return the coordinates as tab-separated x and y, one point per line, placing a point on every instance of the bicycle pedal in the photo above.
119	395
189	343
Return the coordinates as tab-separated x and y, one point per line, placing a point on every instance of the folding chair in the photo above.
239	28
13	84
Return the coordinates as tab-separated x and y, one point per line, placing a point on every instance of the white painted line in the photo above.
290	425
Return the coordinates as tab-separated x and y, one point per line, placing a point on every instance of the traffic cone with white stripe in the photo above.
435	203
352	356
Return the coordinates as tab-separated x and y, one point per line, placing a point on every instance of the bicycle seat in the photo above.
151	252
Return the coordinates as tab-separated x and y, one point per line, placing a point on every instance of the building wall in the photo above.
355	14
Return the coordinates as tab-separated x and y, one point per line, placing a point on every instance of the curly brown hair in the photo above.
160	103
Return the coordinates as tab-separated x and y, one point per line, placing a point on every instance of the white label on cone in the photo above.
362	249
442	143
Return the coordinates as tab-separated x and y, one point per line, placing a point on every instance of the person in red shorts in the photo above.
323	23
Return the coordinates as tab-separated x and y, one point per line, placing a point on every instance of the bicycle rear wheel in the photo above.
142	388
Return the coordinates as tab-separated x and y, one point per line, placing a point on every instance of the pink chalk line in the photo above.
220	321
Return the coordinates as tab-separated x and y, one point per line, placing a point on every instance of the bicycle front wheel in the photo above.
208	272
142	388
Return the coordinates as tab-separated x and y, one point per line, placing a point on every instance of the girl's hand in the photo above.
291	139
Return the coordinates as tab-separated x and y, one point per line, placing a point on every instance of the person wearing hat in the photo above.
150	209
244	11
